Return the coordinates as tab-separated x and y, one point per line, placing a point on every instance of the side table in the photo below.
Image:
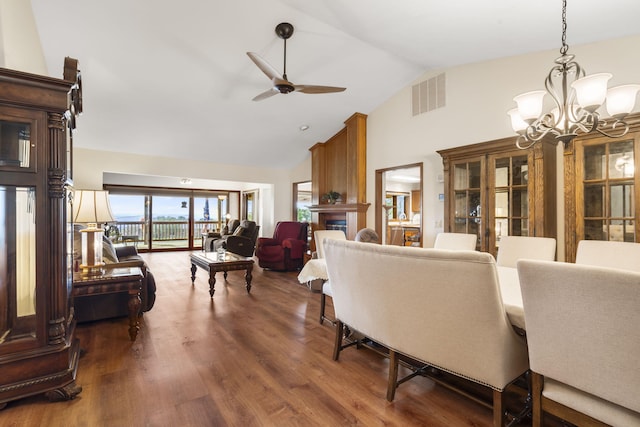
111	280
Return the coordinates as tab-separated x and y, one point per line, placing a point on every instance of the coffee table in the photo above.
211	262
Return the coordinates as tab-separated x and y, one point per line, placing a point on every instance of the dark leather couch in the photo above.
242	241
208	244
98	307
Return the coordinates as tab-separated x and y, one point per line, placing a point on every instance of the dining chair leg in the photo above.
338	342
323	302
393	375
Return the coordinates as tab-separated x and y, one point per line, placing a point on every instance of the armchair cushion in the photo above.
108	251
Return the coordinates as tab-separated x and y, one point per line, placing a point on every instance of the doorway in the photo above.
399	215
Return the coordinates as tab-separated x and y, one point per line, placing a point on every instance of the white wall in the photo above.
20	47
478	97
90	166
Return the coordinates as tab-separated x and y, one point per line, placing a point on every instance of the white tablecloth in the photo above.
511	295
314	269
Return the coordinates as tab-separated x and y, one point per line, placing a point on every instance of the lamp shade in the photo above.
530	105
92	207
591	91
518	125
621	100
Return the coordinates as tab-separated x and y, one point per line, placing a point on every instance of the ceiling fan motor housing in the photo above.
284	88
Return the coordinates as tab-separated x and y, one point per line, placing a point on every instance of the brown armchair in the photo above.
285	250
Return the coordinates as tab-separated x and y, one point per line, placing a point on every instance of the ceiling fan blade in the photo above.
266	94
318	89
266	68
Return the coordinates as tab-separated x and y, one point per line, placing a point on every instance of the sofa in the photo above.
242	241
438	307
212	236
97	307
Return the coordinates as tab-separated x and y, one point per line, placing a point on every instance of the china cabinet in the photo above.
38	350
602	188
493	189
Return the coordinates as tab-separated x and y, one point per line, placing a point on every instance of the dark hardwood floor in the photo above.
240	360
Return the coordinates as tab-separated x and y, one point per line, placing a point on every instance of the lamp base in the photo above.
91	270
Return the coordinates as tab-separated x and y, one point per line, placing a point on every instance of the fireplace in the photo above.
336	224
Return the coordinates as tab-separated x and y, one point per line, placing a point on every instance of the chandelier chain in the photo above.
565	46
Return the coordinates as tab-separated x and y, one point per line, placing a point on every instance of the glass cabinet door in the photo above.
607	190
508	197
17	263
16	150
467	198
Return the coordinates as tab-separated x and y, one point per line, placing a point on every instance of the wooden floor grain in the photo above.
259	359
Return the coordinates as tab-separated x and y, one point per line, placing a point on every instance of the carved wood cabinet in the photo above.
38	351
494	189
602	188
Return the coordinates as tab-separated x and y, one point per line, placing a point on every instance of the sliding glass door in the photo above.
167	220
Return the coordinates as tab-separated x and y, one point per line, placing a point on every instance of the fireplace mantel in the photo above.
340	207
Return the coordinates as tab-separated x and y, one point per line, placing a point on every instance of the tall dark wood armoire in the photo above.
38	351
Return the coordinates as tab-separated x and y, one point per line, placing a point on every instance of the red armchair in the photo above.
285	250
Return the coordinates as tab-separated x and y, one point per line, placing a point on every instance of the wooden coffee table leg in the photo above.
134	310
193	273
212	282
248	277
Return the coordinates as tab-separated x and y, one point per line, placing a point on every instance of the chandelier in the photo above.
576	98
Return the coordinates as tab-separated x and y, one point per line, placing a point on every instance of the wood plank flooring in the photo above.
259	359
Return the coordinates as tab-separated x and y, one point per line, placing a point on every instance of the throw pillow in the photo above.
108	251
239	231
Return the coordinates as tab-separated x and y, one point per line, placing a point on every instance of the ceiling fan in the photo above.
281	84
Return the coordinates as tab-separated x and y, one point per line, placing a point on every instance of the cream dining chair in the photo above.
456	241
583	340
602	253
319	236
513	248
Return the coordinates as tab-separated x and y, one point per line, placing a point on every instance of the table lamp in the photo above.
92	207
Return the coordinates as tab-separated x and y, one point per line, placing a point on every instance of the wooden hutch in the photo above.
339	164
38	350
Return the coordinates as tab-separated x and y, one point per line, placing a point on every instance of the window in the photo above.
155	219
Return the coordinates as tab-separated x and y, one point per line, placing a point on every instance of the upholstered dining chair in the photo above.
514	248
319	236
583	339
603	253
455	241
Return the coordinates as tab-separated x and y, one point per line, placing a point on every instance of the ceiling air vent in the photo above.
428	95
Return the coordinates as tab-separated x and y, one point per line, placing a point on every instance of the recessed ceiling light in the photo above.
304	127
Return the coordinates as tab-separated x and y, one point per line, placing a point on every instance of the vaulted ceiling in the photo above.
172	78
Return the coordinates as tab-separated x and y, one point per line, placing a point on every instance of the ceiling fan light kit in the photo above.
280	82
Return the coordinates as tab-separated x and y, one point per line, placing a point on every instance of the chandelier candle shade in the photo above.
92	208
576	98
